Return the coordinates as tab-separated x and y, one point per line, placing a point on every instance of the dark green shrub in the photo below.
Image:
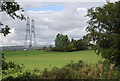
82	70
10	69
79	70
75	66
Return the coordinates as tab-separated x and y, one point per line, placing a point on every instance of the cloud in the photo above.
75	33
79	9
70	21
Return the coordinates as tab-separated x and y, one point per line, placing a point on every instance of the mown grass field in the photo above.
42	59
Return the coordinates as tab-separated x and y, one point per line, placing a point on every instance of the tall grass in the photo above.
79	70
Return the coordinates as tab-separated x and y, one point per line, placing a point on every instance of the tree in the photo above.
104	30
80	44
10	8
61	42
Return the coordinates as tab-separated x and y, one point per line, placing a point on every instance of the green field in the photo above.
41	59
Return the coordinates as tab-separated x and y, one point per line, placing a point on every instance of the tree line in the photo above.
63	43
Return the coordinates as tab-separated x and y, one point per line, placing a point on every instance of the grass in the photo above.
41	60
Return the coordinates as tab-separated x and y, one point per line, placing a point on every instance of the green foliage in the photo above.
10	69
47	48
26	75
73	70
44	48
10	8
62	43
104	30
80	44
79	70
75	66
5	30
82	70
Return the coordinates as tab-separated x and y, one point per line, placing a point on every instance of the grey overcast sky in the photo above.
50	18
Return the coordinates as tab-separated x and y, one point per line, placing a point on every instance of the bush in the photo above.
79	70
82	70
10	69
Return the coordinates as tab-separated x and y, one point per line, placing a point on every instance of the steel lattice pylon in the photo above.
30	39
27	39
